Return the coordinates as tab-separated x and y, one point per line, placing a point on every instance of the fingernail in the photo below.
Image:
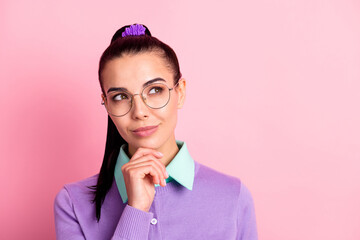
164	182
160	154
166	174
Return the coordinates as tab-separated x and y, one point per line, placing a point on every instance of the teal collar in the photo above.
181	169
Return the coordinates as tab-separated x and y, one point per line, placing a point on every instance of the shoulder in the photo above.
214	180
76	191
212	176
223	183
82	184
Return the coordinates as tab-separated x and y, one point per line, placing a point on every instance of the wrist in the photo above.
139	206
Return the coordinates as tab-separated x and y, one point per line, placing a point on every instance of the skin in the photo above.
151	154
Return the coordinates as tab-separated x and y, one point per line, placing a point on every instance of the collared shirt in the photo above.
181	169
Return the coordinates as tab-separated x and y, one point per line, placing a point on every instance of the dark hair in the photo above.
125	45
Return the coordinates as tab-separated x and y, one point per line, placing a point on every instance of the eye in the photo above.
156	90
120	96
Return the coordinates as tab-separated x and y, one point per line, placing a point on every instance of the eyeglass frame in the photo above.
142	97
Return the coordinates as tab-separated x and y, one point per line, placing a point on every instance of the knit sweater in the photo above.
218	207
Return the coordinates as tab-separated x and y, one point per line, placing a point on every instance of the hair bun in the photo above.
131	30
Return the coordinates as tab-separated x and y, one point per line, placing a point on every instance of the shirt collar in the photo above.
181	169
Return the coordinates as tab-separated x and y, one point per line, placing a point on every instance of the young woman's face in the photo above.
131	72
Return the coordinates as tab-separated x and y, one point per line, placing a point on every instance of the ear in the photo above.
181	91
102	99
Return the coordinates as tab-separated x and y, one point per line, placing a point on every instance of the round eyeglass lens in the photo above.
119	103
156	95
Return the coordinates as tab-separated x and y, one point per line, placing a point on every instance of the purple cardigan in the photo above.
218	207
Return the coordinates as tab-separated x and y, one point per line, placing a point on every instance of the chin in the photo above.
148	142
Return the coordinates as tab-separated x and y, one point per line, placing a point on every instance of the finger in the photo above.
145	151
156	161
140	172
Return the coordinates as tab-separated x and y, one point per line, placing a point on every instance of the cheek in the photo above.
119	123
168	114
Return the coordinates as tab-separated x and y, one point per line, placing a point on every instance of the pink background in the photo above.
273	98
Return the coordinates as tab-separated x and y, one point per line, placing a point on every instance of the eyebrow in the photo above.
118	89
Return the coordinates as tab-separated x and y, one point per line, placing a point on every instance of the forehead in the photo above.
131	71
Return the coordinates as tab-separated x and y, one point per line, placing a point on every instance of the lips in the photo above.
144	128
145	131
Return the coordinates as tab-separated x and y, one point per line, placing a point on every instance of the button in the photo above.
153	221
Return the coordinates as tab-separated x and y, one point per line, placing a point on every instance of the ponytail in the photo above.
106	175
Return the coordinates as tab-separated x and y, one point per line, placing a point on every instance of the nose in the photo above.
139	108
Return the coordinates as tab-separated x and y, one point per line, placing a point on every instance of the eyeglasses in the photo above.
155	96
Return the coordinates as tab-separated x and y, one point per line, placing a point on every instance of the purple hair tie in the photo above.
134	30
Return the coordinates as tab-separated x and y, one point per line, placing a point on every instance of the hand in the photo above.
140	174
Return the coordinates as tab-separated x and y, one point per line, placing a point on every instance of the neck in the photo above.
169	151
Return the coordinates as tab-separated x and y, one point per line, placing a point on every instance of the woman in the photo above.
149	187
